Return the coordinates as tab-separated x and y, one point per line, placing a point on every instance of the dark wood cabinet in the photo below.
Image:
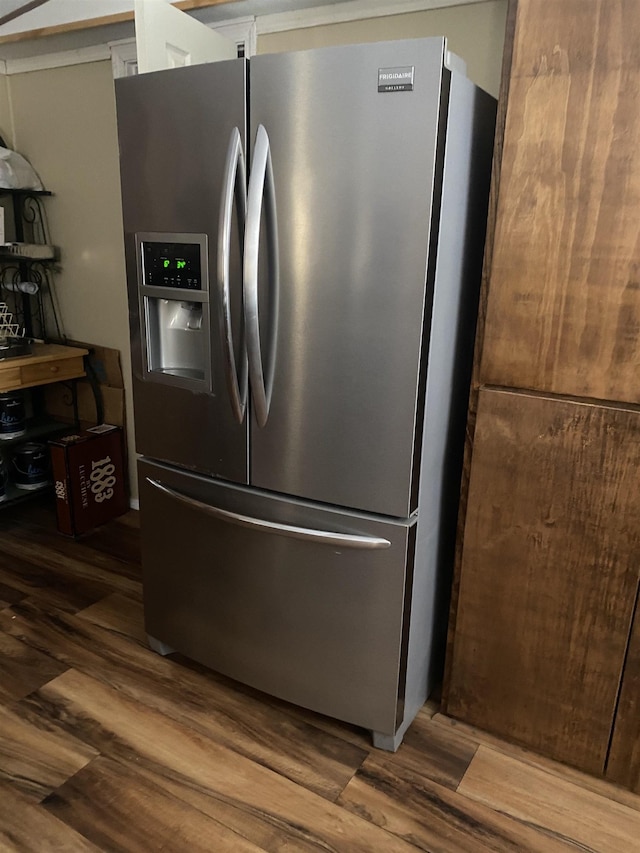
549	572
544	645
564	309
623	765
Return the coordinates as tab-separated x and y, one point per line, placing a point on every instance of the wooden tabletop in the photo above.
45	364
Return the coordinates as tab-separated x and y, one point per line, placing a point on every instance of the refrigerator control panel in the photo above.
177	263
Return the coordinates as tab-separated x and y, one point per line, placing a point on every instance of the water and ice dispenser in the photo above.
174	308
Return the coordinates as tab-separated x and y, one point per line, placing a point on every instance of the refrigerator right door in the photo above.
354	139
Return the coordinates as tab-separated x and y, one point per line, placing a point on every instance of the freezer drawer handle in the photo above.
234	187
345	540
261	188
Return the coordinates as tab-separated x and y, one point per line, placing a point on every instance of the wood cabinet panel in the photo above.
564	303
623	765
549	573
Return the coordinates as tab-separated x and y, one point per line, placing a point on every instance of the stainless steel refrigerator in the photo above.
301	343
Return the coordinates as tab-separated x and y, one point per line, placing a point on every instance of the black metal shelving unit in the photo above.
28	219
40	429
26	226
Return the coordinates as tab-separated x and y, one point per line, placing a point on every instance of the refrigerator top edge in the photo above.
196	72
439	43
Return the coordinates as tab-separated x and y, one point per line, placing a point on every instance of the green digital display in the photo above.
172	265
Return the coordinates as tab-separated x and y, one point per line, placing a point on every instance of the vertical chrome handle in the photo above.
261	188
235	178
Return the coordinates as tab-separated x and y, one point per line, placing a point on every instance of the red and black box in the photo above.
89	478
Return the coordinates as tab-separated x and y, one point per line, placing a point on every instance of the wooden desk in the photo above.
45	364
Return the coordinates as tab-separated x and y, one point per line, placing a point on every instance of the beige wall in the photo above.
6	124
65	125
475	32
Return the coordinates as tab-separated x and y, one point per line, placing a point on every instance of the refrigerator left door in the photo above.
182	136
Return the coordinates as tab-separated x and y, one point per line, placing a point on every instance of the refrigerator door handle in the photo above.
261	189
235	177
327	537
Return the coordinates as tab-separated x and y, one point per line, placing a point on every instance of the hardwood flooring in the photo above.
106	746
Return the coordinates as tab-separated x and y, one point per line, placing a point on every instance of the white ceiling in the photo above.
54	13
7	6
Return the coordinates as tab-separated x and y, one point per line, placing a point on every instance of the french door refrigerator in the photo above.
303	238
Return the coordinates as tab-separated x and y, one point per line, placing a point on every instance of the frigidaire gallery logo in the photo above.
396	79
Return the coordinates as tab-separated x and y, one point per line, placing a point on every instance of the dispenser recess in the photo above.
174	309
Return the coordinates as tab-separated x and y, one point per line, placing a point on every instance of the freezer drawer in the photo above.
302	601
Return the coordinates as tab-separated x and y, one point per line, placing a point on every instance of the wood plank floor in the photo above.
105	745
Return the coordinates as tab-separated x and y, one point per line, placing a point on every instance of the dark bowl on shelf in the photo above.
14	348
